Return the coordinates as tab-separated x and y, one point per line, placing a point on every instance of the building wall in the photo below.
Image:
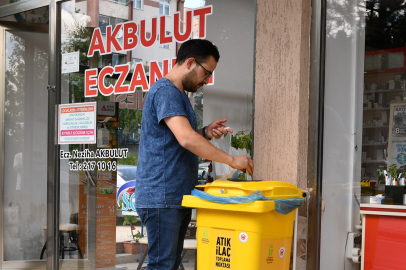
149	10
111	9
82	6
281	98
93	6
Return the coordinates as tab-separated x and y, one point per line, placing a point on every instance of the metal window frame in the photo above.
315	130
25	5
53	179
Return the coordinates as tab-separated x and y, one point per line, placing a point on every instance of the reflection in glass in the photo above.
103	22
36	16
25	164
99	201
73	186
6	2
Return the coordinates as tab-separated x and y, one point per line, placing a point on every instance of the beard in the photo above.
190	83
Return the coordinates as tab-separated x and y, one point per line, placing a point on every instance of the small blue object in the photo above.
282	206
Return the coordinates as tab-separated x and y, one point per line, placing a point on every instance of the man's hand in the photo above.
195	143
243	163
216	129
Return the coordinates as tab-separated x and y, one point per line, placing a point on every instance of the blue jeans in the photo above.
166	230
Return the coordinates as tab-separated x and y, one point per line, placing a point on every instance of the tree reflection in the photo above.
25	125
198	104
340	18
25	67
14	85
76	35
385	24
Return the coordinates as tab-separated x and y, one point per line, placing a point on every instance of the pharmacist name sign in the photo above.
77	123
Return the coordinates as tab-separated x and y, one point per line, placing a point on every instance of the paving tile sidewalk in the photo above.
190	265
123	233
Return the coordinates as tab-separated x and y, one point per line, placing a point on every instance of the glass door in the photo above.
67	218
72	103
110	56
94	146
23	136
97	177
28	32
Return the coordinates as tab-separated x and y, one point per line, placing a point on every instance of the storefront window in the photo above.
376	97
384	95
100	114
100	199
364	126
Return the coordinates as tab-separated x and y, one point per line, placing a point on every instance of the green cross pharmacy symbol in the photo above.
270	252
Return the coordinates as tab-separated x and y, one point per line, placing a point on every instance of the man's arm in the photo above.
216	129
194	142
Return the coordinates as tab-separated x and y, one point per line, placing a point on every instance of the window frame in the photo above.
162	2
166	45
134	61
109	23
135	4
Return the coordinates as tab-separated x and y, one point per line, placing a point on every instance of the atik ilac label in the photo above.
224	245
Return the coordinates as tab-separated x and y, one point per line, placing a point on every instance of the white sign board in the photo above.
77	123
70	62
397	135
398	152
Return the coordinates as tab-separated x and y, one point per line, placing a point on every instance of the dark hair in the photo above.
200	49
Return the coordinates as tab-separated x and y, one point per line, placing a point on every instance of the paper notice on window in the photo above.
77	123
70	62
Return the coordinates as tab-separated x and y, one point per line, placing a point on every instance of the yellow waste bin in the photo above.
246	236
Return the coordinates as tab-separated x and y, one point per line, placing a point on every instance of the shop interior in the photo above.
384	96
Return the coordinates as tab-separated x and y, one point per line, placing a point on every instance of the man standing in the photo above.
169	148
